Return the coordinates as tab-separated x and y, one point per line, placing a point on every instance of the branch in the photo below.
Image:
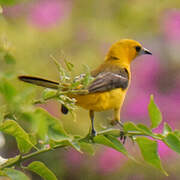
28	156
59	93
119	133
88	138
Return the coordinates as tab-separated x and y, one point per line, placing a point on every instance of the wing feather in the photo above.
107	81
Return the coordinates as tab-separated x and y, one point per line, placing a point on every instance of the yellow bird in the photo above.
112	79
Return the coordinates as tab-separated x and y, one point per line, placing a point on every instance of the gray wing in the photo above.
107	81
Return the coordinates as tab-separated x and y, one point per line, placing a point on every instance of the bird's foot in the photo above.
116	122
89	137
123	137
93	133
120	124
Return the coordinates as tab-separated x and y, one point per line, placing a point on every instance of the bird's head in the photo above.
126	50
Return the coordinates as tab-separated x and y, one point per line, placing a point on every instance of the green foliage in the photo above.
41	170
10	161
67	142
139	128
48	125
15	174
172	141
112	142
47	133
149	152
154	113
167	129
48	93
8	2
7	89
9	59
51	131
87	148
23	141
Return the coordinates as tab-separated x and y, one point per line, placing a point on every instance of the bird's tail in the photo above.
39	81
44	83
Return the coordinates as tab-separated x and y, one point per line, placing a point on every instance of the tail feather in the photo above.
39	81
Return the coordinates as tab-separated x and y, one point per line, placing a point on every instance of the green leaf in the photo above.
7	90
173	142
8	2
112	142
2	173
69	65
87	78
149	152
47	93
75	145
33	138
177	133
24	146
167	129
75	84
49	125
86	147
15	174
12	128
41	170
10	161
144	129
129	126
3	160
67	142
154	113
9	59
62	72
55	132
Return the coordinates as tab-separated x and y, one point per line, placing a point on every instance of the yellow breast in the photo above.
102	101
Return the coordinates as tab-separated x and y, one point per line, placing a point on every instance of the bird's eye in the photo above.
138	48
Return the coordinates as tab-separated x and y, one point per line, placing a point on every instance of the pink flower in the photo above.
110	160
171	24
47	13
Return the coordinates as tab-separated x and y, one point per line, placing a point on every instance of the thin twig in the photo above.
28	156
114	132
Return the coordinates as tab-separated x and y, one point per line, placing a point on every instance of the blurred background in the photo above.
34	30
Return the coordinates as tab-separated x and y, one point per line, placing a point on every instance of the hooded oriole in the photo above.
112	79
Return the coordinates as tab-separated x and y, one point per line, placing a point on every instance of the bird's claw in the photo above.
93	133
115	122
120	124
123	137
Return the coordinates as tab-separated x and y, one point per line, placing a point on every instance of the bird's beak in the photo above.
145	51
